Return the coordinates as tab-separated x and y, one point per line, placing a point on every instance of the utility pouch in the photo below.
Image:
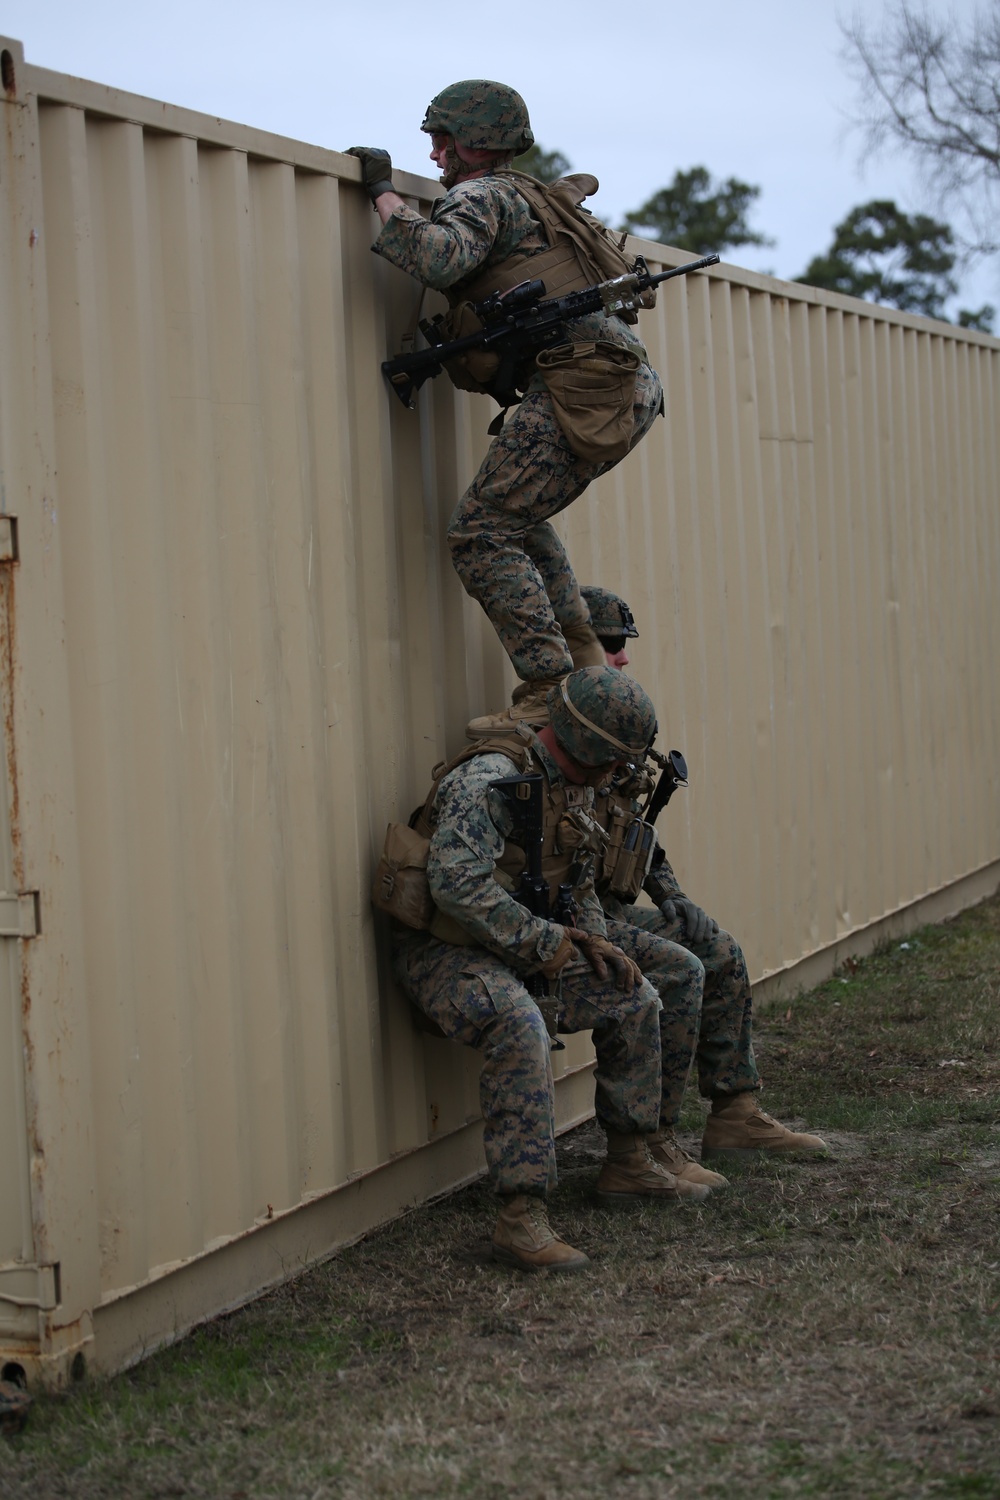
400	888
592	386
474	369
629	856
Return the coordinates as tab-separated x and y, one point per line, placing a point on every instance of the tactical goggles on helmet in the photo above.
611	617
615	643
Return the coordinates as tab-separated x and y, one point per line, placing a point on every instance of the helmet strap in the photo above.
602	734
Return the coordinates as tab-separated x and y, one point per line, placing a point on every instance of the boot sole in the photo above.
740	1153
508	1258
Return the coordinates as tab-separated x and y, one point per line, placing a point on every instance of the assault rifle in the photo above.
523	796
673	773
519	323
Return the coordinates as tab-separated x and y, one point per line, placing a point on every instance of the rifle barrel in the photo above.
691	265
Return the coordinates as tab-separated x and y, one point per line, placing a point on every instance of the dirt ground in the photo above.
823	1328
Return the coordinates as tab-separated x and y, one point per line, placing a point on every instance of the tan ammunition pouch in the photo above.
400	887
633	860
629	854
474	369
592	387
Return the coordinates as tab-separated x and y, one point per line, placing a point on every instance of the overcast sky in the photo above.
629	93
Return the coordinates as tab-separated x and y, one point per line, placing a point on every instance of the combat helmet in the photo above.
599	715
609	614
482	115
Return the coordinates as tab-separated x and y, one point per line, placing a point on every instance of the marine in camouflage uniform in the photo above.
701	978
468	973
504	548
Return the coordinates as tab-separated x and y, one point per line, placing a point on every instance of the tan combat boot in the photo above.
738	1127
663	1148
584	647
529	706
629	1172
523	1238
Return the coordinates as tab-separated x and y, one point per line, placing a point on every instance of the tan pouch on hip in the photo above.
592	387
474	369
400	887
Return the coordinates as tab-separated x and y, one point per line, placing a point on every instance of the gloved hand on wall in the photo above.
376	169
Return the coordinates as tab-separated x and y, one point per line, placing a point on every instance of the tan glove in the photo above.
599	953
563	955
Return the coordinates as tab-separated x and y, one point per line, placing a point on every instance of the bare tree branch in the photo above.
932	89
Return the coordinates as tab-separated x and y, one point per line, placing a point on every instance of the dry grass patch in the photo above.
824	1329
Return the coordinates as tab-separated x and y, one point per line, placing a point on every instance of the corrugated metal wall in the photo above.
238	647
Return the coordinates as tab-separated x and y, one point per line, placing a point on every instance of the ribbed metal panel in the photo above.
811	544
240	647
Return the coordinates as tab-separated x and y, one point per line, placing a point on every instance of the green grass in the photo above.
827	1328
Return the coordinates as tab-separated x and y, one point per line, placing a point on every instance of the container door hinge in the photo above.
19	914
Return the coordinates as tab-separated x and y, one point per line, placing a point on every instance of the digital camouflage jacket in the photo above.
476	225
472	824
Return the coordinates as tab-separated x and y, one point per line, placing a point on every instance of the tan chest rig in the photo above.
571	837
581	252
631	843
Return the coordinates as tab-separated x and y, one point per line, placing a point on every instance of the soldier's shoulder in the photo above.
485	766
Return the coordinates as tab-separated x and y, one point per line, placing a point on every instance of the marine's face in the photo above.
618	659
456	162
439	151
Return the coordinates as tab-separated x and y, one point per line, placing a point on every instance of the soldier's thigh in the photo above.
529	472
649	949
465	990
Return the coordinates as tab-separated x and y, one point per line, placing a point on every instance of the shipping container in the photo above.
232	646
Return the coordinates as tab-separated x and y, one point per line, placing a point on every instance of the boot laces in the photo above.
538	1215
673	1150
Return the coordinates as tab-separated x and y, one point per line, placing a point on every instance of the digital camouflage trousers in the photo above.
477	999
707	1017
505	551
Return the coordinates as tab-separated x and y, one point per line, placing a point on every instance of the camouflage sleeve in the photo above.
661	884
460	867
476	222
590	913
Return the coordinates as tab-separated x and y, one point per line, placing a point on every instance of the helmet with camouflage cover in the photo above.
482	115
599	716
609	614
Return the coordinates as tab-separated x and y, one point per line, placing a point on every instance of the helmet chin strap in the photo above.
456	170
